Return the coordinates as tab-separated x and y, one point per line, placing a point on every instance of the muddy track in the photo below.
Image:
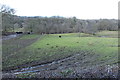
41	63
30	65
78	65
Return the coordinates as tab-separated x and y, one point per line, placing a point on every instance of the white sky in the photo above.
82	9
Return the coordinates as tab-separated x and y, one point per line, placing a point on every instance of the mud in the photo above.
78	65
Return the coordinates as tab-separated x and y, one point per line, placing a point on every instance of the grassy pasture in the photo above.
113	34
33	49
12	46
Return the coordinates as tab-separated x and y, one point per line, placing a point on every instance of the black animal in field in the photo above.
59	36
19	32
28	32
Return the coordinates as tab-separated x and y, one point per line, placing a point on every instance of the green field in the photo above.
29	50
113	34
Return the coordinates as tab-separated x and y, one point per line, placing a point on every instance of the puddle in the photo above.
9	37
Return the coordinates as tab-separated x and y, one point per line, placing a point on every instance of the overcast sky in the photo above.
82	9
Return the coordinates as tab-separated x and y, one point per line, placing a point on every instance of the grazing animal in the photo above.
28	33
19	32
59	36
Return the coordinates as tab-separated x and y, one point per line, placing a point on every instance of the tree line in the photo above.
54	24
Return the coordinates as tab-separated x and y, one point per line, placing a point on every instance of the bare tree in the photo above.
6	9
7	18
